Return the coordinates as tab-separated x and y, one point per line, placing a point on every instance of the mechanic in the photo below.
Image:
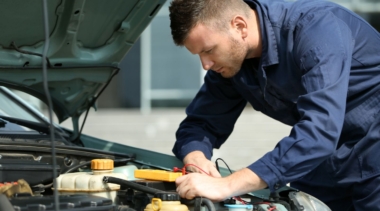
310	64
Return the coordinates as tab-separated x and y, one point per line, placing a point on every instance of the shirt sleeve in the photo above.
211	117
322	50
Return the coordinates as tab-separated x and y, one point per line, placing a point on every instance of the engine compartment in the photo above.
31	162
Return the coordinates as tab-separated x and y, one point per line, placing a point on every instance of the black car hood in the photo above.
88	39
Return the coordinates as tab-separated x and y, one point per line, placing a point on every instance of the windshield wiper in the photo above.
40	127
37	126
2	123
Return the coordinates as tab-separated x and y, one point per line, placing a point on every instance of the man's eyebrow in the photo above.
205	49
199	52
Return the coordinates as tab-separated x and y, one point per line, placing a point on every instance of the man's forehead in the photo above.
199	38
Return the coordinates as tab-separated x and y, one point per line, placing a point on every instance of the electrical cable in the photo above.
15	47
50	104
217	166
196	167
13	44
185	171
238	198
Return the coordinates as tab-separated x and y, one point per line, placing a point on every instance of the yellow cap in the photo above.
102	164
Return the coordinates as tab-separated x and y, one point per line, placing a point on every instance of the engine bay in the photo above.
86	182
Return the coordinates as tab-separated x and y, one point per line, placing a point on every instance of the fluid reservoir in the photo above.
92	182
166	201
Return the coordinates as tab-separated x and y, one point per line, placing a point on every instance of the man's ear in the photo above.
239	24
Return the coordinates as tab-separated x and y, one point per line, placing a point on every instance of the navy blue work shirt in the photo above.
319	72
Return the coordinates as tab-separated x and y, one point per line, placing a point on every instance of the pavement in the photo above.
254	133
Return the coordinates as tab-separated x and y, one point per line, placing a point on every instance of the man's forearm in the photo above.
244	181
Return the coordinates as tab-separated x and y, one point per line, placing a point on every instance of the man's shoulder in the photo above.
288	13
299	4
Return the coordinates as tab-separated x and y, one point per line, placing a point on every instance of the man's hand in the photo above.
198	158
218	189
192	185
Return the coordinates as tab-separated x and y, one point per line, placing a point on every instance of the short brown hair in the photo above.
185	14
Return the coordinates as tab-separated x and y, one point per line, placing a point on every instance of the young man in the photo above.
310	64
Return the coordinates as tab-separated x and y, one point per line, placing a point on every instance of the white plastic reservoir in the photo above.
92	182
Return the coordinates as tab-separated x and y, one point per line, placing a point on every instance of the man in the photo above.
310	64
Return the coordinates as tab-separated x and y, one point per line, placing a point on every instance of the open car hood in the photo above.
88	39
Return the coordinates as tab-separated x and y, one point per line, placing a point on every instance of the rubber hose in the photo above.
203	201
208	203
5	205
125	208
130	184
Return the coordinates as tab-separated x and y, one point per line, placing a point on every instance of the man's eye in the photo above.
209	51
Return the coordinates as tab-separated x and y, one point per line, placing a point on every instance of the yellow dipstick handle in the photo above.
156	204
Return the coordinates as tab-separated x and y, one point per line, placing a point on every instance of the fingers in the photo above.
186	193
197	162
184	187
201	185
214	172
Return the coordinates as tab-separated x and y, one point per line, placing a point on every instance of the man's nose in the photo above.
206	62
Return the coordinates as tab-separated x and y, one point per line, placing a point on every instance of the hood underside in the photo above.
88	39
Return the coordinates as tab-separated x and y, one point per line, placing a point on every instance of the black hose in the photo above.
204	201
196	202
208	203
125	208
77	167
130	184
5	205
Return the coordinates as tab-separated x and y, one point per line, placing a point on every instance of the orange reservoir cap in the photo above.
102	164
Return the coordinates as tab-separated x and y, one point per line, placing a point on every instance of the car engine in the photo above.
92	179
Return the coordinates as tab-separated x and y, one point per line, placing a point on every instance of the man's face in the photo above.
220	51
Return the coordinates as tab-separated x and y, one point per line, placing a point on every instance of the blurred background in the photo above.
146	101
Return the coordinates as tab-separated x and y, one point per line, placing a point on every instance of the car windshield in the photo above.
12	106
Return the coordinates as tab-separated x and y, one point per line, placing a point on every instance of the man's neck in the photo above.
254	36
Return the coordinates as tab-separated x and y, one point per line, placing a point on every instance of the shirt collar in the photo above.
269	54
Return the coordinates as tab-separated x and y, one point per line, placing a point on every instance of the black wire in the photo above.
77	167
94	100
13	45
217	166
50	103
49	65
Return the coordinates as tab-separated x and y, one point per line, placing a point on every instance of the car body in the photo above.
85	42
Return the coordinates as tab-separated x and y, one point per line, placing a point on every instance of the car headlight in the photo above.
306	202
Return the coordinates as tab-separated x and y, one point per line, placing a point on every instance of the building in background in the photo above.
155	72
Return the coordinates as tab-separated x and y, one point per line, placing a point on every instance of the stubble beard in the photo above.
237	55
